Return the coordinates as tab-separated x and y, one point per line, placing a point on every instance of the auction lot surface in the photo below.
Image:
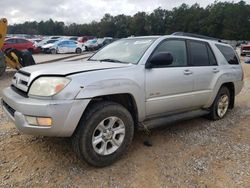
193	153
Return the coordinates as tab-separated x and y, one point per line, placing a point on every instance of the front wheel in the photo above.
78	50
221	104
103	134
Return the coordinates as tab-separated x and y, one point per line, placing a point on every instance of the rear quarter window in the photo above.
229	54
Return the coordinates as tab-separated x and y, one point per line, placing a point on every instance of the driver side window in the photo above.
178	50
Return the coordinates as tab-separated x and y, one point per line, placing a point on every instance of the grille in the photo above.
20	82
19	91
9	109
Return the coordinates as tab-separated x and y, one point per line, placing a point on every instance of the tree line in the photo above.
226	20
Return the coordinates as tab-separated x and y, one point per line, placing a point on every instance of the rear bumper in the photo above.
245	52
65	114
238	87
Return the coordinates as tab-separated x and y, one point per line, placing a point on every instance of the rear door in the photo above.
62	47
71	46
169	88
205	70
22	44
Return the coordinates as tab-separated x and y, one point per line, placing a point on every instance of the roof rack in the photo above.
196	36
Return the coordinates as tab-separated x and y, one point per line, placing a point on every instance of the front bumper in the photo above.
65	114
46	50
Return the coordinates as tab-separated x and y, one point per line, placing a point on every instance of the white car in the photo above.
45	41
91	45
64	46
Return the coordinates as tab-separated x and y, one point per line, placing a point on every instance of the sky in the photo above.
84	11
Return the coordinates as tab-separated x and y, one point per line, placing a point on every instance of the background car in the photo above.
46	47
245	50
45	41
75	38
64	46
91	45
104	41
20	44
84	39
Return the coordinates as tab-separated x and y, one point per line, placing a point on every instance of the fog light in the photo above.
39	121
31	120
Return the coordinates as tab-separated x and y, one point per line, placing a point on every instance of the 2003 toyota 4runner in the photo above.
134	82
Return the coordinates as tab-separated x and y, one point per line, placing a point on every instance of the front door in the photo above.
169	88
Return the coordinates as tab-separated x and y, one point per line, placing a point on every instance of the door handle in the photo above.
187	72
215	70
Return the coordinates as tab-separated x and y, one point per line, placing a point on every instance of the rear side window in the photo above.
198	52
229	54
10	41
211	56
21	41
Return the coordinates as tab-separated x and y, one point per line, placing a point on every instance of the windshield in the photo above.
124	51
91	41
51	41
99	41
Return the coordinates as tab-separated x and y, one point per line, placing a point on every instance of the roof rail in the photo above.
196	36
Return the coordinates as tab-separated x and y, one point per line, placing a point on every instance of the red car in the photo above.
84	39
245	50
19	44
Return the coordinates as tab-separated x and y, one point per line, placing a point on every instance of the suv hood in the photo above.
72	67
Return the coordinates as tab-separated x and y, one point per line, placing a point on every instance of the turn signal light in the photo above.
39	121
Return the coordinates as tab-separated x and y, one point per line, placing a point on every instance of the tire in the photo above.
53	51
78	50
89	130
2	70
2	64
31	50
215	109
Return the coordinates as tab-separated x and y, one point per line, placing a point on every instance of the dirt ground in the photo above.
194	153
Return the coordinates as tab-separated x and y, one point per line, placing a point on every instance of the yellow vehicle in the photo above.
11	57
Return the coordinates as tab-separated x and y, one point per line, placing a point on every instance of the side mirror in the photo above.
160	59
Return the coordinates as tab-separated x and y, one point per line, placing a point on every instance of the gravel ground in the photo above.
194	153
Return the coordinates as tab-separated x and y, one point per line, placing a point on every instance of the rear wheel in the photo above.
103	134
53	51
78	50
2	64
221	104
2	70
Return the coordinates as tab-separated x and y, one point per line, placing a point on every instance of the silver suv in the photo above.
138	82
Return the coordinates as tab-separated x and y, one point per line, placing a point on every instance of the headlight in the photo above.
48	86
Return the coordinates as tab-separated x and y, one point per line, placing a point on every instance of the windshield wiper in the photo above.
113	61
